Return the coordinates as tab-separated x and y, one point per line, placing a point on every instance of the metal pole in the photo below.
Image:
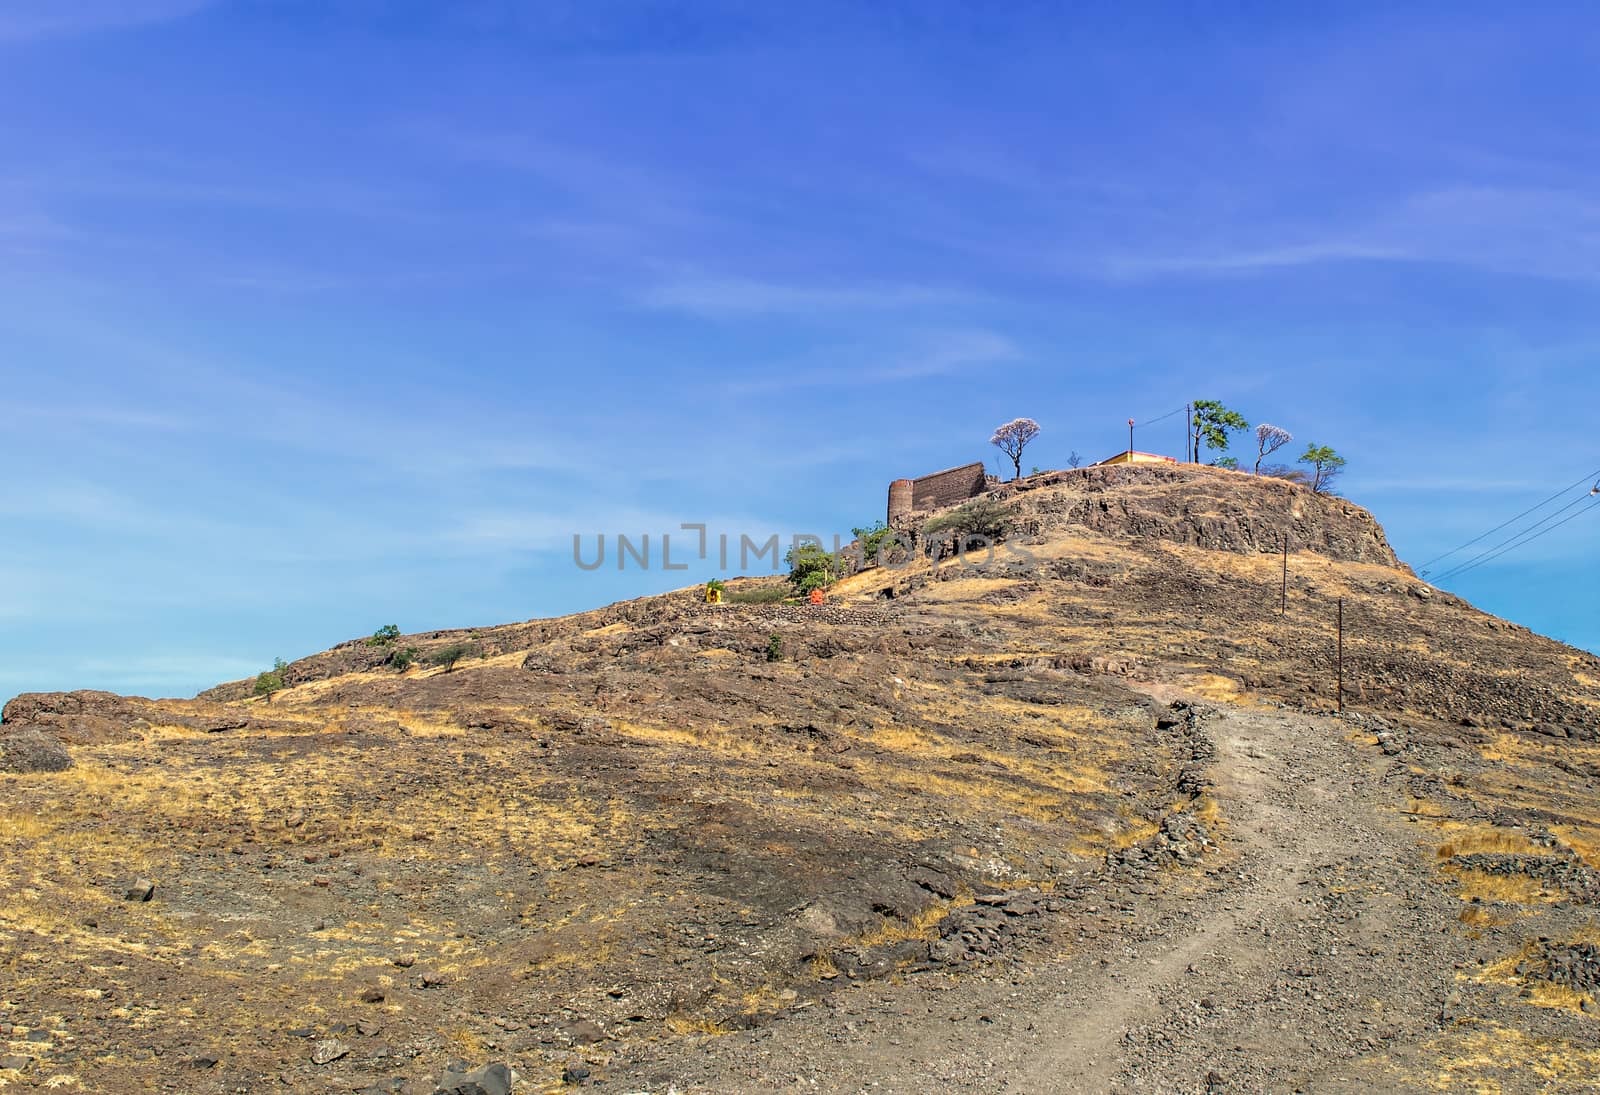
1283	609
1130	437
1341	655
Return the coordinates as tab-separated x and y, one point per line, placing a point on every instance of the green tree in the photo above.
1213	424
402	660
810	567
384	636
271	681
774	648
871	538
1326	466
448	656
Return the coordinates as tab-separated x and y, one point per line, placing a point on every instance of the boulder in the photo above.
29	749
495	1079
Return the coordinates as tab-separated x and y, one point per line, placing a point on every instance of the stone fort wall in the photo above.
936	491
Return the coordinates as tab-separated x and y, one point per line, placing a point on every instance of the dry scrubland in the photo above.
621	842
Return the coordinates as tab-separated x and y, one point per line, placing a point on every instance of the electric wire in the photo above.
1163	418
1423	569
1459	567
1528	540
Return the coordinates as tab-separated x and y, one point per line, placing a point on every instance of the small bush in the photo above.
1284	471
271	681
983	517
448	656
403	660
384	636
761	595
774	648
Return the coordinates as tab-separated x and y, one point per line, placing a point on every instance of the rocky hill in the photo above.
1076	816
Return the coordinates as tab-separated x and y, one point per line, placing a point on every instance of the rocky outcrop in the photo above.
77	718
1198	506
99	718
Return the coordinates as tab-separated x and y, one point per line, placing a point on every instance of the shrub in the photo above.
385	635
774	648
761	595
810	567
448	656
403	660
982	517
271	681
1284	471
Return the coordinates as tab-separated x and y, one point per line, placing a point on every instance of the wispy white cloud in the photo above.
1525	231
721	298
945	353
24	20
177	672
1247	261
1445	485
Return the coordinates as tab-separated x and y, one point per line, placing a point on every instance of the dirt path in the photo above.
1304	809
1319	942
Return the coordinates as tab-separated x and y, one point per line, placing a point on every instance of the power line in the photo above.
1423	569
1530	539
1513	537
1163	418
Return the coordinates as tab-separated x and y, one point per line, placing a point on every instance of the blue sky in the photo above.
320	316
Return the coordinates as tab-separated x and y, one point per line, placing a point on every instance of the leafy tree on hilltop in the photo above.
1326	466
1213	423
384	636
1269	439
1013	437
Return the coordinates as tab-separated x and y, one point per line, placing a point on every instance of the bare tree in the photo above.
1269	439
1013	437
1074	460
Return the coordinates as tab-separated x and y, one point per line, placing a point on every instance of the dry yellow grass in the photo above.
1476	1057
